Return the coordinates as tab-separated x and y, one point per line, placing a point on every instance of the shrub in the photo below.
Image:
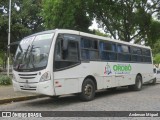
5	80
1	69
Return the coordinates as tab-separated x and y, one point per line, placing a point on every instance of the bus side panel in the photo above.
67	81
146	70
70	80
97	69
125	73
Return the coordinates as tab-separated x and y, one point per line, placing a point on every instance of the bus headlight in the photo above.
46	76
14	78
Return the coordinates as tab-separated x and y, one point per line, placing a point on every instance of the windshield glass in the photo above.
32	53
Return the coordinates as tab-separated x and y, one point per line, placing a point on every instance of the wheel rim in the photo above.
88	90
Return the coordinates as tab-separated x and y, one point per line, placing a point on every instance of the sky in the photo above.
95	26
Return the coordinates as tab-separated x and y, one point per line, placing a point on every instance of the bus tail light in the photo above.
46	76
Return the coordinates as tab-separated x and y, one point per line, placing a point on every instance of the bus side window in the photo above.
146	55
89	49
136	54
123	52
107	51
66	52
119	48
72	53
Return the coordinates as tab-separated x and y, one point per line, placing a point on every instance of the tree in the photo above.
156	53
153	36
25	19
124	19
156	47
98	32
67	14
156	60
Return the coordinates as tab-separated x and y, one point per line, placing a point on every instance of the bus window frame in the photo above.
89	49
54	60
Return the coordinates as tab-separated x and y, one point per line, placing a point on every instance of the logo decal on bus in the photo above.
107	69
122	68
118	69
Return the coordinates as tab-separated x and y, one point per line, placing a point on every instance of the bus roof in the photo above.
89	35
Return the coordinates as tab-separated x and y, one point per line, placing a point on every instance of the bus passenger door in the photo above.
66	63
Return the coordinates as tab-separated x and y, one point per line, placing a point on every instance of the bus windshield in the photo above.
32	53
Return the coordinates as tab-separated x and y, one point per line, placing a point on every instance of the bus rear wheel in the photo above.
138	84
88	90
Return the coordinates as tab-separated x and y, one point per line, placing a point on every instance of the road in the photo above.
148	99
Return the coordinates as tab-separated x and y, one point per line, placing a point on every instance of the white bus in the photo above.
60	61
156	75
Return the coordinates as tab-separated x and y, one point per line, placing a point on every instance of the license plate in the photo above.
26	86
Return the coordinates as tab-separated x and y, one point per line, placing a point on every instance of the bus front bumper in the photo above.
45	87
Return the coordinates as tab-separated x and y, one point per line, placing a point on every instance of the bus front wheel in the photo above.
88	90
138	84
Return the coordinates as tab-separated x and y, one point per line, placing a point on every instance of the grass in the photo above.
5	80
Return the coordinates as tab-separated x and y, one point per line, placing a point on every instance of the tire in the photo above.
138	84
154	81
88	90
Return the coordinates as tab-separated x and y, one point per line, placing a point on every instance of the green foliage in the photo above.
156	60
1	57
156	53
5	80
156	47
1	61
122	19
97	32
67	14
126	20
1	69
25	19
154	36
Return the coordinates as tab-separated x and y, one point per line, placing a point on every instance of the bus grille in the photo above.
28	88
27	76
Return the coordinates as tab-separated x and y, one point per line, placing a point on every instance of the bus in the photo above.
61	61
